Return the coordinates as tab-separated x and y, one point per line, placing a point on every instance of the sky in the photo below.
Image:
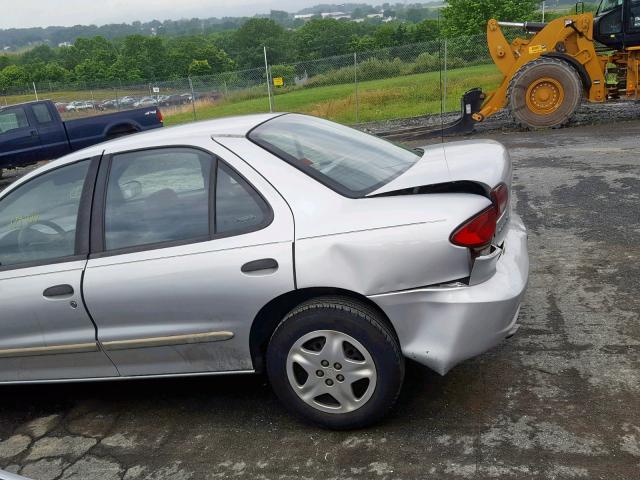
42	13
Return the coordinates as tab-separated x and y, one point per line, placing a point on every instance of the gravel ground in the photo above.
560	400
587	114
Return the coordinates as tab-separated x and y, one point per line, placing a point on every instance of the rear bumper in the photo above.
440	327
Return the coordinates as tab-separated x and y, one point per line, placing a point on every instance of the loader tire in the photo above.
544	93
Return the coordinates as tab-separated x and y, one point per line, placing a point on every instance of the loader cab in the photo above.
617	23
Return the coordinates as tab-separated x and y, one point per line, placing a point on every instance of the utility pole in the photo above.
543	8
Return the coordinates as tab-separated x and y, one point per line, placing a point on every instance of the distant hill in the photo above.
353	7
15	39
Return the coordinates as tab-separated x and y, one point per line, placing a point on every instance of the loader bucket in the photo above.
470	103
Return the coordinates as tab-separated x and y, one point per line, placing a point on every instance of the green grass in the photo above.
398	97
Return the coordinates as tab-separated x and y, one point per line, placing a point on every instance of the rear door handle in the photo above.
58	291
34	133
258	265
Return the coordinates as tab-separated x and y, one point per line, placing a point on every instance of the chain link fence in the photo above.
391	83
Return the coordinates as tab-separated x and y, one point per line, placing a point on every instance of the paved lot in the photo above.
561	400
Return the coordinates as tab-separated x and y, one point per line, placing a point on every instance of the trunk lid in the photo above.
483	162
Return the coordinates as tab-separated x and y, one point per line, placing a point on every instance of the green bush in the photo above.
373	68
332	77
287	72
426	62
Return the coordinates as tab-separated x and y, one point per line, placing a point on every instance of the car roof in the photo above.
227	126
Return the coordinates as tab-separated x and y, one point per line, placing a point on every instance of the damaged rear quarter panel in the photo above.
405	250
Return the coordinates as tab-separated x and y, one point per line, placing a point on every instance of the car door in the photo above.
19	139
45	330
188	249
50	130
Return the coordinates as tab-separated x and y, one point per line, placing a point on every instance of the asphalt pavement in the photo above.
560	400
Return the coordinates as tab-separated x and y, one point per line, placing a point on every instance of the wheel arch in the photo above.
120	129
579	68
270	315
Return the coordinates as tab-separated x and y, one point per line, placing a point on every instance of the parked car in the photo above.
79	106
108	104
172	100
34	131
146	102
61	107
278	243
128	101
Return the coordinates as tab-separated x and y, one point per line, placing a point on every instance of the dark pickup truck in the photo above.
34	131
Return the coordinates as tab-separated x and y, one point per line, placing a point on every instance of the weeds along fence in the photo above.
395	82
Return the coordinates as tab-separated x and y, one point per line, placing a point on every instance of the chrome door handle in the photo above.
58	291
258	265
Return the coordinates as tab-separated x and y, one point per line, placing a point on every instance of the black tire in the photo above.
532	73
353	319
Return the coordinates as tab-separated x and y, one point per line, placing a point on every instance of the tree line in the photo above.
138	58
145	58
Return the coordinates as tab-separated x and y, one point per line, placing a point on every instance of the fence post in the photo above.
193	99
355	80
444	81
35	90
117	97
266	69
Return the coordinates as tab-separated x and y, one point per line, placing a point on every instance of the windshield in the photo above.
608	5
349	161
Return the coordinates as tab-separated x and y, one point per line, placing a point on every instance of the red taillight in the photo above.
159	115
478	230
500	198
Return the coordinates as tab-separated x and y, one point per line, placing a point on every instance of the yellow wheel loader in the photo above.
547	75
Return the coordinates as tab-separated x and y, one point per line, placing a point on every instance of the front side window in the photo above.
156	196
38	219
608	5
351	162
12	119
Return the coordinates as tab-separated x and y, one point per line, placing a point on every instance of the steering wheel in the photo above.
29	237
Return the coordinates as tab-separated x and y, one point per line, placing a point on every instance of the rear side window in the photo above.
239	208
12	119
347	160
42	113
157	196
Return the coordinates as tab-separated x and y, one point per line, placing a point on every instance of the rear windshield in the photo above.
347	160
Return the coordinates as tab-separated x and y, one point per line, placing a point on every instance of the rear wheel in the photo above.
336	363
544	93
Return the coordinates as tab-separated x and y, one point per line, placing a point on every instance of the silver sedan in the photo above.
276	243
